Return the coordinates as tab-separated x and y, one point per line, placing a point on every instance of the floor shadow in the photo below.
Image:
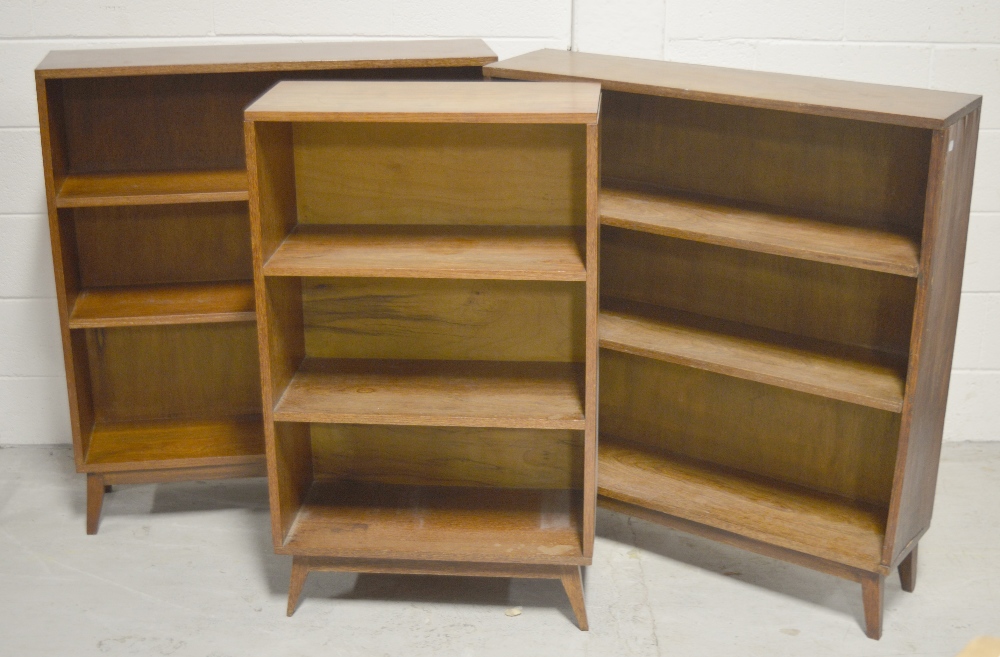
803	584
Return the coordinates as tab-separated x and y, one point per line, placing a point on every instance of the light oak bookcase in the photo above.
425	259
147	197
781	264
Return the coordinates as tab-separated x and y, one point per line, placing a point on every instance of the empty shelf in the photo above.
500	253
754	230
820	525
107	189
849	374
435	393
187	303
175	443
383	521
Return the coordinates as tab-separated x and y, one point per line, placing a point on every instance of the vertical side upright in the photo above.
64	260
590	399
932	342
271	184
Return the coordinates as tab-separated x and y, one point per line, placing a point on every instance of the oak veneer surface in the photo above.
378	521
192	303
707	220
794	518
449	456
419	101
435	393
793	93
175	443
447	319
821	368
152	188
501	253
266	57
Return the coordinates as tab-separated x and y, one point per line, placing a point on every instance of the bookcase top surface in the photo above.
923	108
264	57
429	102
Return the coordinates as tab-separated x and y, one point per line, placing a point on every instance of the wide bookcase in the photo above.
147	196
425	263
781	263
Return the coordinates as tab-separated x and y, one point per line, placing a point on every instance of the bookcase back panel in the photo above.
174	372
444	319
468	174
148	244
815	442
855	172
188	121
447	456
817	300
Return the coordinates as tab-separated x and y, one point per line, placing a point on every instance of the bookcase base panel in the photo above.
872	583
100	483
570	576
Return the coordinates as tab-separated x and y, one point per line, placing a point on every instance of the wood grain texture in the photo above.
185	372
430	252
794	518
855	173
257	468
872	594
932	345
158	445
435	393
266	57
476	174
592	365
444	319
820	368
449	456
95	501
193	303
379	521
908	571
790	93
712	222
110	189
811	299
157	244
822	444
430	102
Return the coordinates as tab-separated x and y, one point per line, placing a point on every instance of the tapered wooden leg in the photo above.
908	571
300	570
872	587
572	581
95	500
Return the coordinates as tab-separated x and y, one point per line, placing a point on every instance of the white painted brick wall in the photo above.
941	44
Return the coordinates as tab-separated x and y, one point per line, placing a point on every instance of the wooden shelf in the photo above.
175	444
499	253
446	523
755	230
435	393
110	189
778	514
190	303
849	374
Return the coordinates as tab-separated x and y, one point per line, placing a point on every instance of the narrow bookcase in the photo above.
147	196
425	262
781	263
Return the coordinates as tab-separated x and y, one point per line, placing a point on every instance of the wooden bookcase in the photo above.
425	265
147	196
781	263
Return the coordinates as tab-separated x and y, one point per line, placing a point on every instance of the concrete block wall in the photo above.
942	44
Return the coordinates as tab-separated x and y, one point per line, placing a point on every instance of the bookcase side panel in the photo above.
933	342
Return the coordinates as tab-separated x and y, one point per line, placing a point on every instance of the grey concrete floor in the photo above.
187	569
